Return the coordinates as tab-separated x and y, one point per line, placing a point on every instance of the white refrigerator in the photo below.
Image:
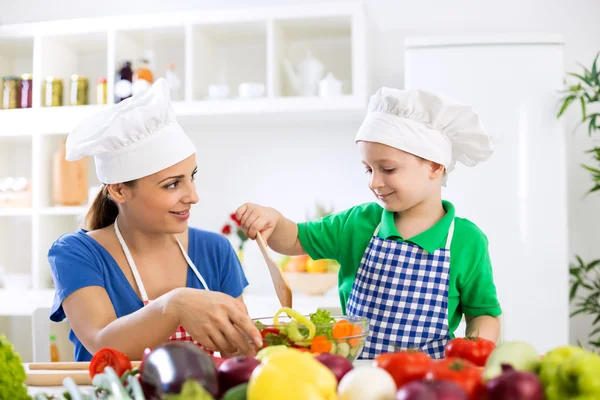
518	197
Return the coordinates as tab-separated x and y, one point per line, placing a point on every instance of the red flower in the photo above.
233	218
226	230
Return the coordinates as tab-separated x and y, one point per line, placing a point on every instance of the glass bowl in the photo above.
345	337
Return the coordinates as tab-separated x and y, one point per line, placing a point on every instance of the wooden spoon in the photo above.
282	288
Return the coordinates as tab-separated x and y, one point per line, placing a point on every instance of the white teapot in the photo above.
305	78
330	86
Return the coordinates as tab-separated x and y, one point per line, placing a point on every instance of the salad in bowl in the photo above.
319	332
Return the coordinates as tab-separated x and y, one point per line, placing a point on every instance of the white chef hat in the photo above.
428	125
133	139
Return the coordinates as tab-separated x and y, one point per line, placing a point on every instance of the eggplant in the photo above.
169	366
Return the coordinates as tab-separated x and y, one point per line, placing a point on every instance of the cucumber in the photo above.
343	349
360	348
353	352
333	348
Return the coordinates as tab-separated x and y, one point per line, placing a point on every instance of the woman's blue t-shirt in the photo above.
78	261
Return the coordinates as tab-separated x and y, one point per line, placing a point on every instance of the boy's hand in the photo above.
255	218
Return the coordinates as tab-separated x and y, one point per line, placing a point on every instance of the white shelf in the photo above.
16	212
208	47
74	211
54	120
24	302
61	120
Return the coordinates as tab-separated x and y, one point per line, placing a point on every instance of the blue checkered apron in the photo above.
403	290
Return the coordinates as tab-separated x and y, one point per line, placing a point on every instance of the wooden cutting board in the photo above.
53	374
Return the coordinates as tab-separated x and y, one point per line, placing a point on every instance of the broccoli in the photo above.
12	373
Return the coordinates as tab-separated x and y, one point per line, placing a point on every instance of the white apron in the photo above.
180	334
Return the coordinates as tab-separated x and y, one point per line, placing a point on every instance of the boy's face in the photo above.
398	179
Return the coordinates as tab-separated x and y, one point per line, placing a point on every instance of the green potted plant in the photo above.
585	277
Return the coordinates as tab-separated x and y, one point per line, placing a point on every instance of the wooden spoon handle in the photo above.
282	288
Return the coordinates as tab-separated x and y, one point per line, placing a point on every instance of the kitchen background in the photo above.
297	155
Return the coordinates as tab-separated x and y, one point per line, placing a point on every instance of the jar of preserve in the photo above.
26	90
10	92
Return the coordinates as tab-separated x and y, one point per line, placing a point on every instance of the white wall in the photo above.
306	166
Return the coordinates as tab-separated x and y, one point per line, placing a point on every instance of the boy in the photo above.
408	264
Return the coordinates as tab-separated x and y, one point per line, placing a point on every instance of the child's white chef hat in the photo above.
133	139
428	125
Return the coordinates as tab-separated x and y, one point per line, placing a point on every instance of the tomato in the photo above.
266	331
462	372
109	358
405	366
476	350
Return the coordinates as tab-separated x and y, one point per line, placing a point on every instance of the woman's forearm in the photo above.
150	326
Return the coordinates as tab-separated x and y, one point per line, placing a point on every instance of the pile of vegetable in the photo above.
317	333
473	369
12	373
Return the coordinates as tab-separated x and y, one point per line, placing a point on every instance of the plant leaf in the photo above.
594	189
594	332
566	102
592	125
595	344
595	69
591	169
580	77
583	111
577	312
592	265
596	320
573	291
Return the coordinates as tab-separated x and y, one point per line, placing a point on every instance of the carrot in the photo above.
342	329
356	330
320	344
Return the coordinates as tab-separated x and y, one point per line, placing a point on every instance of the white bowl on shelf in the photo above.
312	284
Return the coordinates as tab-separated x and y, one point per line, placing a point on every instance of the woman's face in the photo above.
161	202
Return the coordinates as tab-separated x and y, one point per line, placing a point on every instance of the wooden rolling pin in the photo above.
66	366
53	374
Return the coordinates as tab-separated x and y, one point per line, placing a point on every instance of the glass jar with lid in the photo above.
10	92
26	90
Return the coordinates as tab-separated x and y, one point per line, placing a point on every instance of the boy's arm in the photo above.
319	239
284	239
479	301
484	326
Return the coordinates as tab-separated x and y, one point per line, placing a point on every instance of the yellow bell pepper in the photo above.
293	332
292	375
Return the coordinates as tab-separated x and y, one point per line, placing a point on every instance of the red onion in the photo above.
431	390
337	364
515	385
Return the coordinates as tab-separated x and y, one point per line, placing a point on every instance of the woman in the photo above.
137	276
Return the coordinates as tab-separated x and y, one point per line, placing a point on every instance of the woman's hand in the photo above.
216	320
